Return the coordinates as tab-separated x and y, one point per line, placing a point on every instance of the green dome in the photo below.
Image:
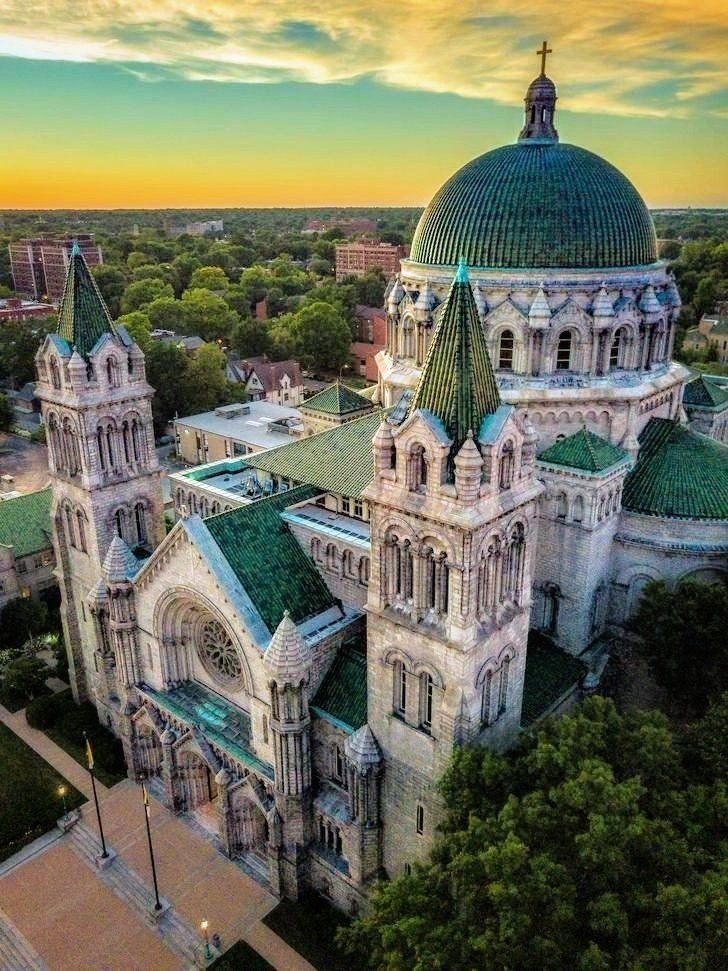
536	204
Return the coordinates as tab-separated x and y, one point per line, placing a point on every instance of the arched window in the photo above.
338	766
417	469
55	373
136	441
140	521
100	447
564	350
579	509
364	571
561	506
126	439
503	692
69	527
505	473
316	548
119	522
400	688
347	563
486	701
427	686
112	372
110	451
615	351
505	351
81	531
330	557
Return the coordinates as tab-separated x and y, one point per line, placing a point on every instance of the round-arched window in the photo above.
218	654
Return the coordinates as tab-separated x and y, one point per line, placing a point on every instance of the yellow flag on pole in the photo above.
89	756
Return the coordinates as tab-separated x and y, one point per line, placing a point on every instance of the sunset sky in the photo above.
270	102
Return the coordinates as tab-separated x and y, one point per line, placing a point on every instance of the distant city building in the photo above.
15	310
201	228
348	227
234	430
40	266
371	339
278	382
26	547
712	331
356	259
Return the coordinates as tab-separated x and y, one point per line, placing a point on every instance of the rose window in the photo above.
218	654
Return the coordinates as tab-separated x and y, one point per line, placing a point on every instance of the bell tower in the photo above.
453	518
96	406
540	106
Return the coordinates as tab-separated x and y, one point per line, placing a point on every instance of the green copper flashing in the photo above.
457	383
83	316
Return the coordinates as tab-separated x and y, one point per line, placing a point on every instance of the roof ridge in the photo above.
83	316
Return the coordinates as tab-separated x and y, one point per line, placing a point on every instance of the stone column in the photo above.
168	769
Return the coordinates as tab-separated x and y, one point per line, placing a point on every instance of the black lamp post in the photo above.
62	790
145	799
206	937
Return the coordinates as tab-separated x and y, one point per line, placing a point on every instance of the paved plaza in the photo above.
59	912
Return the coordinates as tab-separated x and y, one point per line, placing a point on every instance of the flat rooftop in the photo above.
258	423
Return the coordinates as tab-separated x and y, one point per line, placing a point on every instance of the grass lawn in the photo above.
67	732
241	957
28	794
309	926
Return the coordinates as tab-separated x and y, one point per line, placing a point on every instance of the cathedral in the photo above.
444	563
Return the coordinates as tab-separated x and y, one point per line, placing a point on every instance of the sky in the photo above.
214	103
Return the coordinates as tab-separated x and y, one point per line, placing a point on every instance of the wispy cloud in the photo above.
641	59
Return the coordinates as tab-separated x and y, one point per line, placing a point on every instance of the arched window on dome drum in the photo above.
616	354
564	350
505	351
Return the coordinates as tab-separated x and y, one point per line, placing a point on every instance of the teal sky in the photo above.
96	134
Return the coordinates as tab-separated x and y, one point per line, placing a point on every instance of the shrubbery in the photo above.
43	712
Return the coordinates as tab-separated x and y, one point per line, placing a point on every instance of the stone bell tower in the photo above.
96	406
453	518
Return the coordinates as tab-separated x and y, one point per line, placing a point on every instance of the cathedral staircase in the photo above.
129	887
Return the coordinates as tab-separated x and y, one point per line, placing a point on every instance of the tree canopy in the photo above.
598	843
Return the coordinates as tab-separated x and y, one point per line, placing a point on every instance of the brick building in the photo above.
15	310
356	259
39	266
371	339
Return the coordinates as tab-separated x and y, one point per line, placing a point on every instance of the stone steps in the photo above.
16	954
129	887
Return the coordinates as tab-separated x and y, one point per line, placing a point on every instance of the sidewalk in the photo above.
52	753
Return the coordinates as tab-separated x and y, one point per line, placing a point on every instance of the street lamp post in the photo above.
62	790
206	938
145	799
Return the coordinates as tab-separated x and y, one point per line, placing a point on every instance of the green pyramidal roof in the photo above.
704	393
457	384
584	451
337	400
679	474
83	317
25	522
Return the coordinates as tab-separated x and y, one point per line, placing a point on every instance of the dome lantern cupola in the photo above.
540	104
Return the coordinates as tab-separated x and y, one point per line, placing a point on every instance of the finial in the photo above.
462	274
75	249
545	49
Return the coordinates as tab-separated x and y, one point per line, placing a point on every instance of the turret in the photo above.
540	107
539	313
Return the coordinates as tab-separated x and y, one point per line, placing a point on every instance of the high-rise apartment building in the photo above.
356	259
39	266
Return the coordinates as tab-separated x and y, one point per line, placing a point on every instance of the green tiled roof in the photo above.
337	400
221	722
265	556
679	474
25	522
704	393
83	317
457	383
550	672
585	451
536	205
215	468
338	460
342	695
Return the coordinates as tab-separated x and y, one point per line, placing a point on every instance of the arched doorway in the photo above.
196	786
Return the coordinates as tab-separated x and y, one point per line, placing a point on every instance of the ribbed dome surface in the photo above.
536	205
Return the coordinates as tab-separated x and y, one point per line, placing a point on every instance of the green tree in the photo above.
21	618
24	677
7	415
138	326
206	380
250	337
183	266
19	343
140	293
111	282
167	368
166	313
683	638
208	315
320	336
209	278
594	845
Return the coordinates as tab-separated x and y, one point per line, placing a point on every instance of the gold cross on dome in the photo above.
543	52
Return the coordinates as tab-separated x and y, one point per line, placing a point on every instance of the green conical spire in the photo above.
457	383
83	316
